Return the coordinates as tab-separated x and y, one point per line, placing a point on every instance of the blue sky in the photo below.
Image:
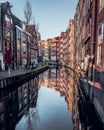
52	15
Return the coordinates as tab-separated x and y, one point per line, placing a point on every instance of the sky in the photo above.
52	16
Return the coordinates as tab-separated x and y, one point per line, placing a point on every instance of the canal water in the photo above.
38	104
51	110
50	114
47	101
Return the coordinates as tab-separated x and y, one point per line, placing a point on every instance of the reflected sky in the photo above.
51	112
46	102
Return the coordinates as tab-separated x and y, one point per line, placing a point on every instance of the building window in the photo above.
18	34
100	43
18	47
101	5
24	48
23	37
99	54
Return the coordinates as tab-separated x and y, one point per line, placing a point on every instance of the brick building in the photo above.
6	34
89	35
31	29
55	49
39	47
100	34
85	35
89	45
82	32
43	49
99	53
70	57
22	43
62	47
70	44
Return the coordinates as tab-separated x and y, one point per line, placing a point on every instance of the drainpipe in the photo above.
93	42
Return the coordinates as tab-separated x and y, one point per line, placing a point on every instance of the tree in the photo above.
36	24
28	12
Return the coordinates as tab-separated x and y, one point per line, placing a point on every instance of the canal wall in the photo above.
19	77
92	99
16	103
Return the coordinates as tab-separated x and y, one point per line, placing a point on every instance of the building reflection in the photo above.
61	80
58	79
14	103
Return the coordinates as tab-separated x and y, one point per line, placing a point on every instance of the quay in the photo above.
90	97
19	76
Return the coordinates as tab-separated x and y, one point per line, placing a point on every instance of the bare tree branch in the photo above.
28	12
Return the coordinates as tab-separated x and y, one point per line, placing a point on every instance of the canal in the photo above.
43	103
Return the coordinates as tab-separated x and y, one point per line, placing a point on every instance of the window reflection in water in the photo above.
15	103
22	102
59	79
66	83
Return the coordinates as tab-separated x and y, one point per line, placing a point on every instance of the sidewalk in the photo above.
5	74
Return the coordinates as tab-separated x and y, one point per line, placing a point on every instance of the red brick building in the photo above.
62	47
100	34
99	55
55	49
89	45
82	31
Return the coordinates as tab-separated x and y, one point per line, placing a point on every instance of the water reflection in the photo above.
51	113
47	102
59	79
13	104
